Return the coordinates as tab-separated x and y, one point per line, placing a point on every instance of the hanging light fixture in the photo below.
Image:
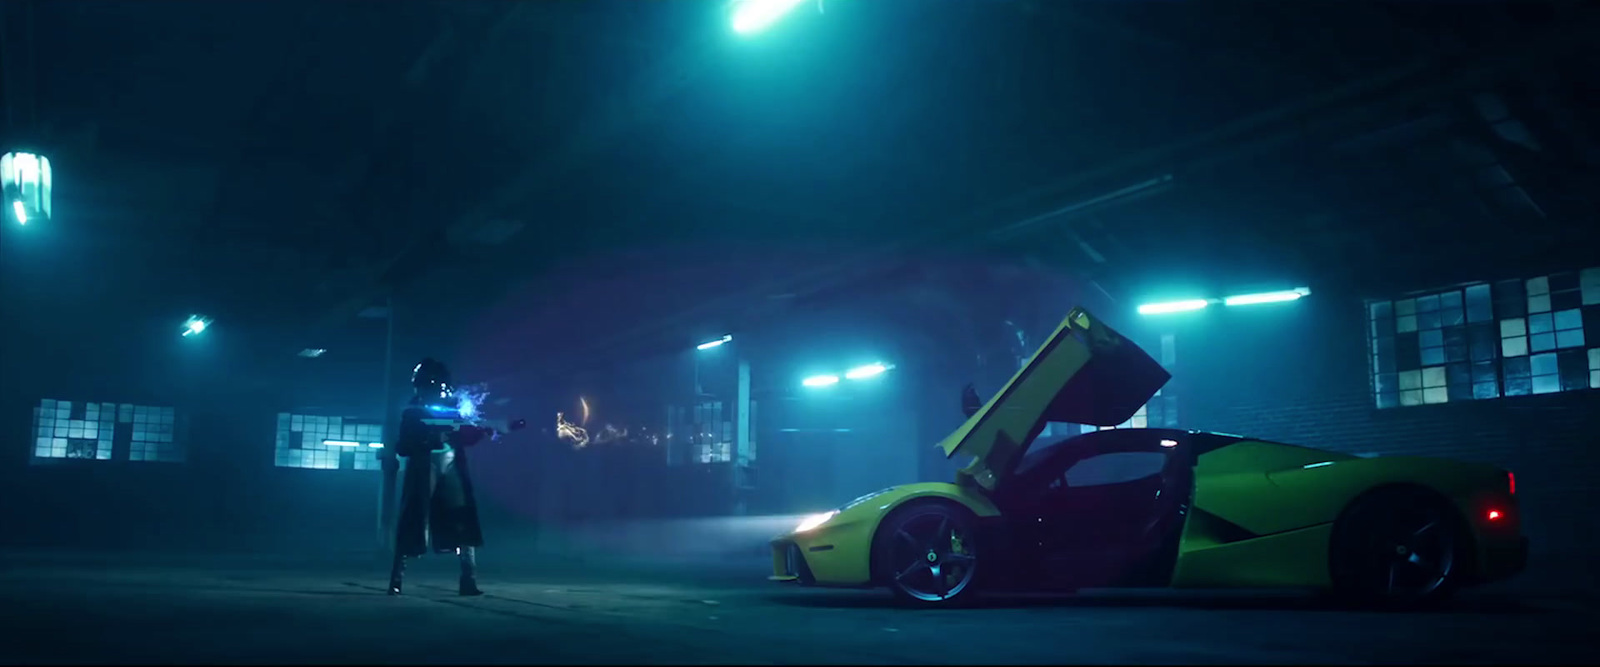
25	187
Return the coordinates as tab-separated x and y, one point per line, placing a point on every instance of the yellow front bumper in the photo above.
834	556
789	564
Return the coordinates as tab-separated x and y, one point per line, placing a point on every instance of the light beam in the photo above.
753	16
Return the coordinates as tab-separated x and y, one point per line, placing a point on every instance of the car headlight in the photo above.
815	520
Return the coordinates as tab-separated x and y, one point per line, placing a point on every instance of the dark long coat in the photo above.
438	511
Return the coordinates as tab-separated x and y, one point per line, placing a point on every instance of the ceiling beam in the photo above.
418	234
678	71
1439	75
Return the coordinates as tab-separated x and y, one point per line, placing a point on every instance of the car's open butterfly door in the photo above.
1084	373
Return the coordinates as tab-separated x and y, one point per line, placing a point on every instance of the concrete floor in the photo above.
80	608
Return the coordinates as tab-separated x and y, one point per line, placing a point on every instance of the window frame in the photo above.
362	457
106	431
1103	441
1163	457
1484	340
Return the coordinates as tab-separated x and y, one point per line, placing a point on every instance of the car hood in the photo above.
1085	373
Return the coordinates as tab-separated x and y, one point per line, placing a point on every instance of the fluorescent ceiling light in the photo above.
867	371
1173	306
820	381
1267	297
710	344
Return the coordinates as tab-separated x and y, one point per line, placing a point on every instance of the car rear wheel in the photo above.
1398	548
927	554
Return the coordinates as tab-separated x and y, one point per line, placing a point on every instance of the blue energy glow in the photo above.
468	400
466	410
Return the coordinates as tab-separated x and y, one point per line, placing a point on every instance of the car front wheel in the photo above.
927	554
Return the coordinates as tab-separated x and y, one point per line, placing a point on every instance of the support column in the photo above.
743	452
388	460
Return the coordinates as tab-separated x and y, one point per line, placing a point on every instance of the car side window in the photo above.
1115	468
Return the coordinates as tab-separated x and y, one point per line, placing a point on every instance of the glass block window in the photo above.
712	439
106	431
1481	341
716	452
327	443
716	446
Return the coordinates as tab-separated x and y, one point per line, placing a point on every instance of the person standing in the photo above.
438	512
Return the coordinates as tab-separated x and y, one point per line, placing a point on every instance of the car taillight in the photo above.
1511	482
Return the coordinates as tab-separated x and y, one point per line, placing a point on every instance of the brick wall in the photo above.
1298	372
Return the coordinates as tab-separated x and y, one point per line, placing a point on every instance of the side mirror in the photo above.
970	401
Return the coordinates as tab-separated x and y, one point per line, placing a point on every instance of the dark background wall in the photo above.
1296	372
1299	373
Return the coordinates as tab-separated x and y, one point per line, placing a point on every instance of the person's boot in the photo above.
397	574
469	570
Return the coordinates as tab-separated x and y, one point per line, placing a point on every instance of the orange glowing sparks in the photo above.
565	430
581	436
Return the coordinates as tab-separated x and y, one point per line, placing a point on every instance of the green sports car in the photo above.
1145	507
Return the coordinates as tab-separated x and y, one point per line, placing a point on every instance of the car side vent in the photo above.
1220	529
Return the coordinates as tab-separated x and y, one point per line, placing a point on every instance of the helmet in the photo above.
431	380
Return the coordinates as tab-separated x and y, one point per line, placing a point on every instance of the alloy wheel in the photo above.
932	557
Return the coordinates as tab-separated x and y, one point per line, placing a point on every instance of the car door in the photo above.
1108	513
1084	373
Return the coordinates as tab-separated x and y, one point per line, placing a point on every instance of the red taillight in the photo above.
1511	483
1494	515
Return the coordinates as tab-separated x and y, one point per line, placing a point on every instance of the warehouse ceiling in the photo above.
630	174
